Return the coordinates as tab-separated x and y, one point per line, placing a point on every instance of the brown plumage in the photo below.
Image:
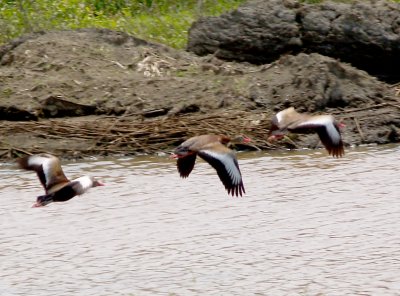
57	186
213	149
327	128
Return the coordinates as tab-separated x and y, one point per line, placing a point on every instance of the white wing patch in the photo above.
85	182
318	120
37	160
333	133
281	114
45	162
229	163
326	121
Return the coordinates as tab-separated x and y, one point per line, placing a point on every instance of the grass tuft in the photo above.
163	21
160	21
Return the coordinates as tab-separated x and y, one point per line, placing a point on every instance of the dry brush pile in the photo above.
124	135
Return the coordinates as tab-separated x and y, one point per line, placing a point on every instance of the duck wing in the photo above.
224	161
332	140
327	130
186	164
48	168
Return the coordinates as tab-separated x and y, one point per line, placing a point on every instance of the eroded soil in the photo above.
91	91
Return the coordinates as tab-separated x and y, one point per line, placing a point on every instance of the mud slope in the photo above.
91	91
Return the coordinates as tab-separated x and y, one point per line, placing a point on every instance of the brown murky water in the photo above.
308	225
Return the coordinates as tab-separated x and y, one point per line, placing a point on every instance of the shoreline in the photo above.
76	93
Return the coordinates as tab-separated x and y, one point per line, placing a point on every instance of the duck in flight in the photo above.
327	128
57	187
213	149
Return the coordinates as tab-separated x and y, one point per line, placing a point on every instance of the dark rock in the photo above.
363	33
57	107
191	108
185	109
155	112
394	134
258	32
15	114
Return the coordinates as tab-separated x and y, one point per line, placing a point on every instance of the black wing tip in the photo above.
336	152
185	165
236	190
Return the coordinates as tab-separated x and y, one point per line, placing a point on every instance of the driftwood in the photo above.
366	108
131	134
359	129
127	135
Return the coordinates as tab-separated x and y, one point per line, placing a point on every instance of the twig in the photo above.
115	122
359	129
361	109
394	105
118	135
20	150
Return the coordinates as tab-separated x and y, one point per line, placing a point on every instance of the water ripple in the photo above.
308	225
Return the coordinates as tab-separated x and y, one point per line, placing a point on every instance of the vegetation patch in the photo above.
161	21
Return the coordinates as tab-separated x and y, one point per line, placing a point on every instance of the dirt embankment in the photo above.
99	92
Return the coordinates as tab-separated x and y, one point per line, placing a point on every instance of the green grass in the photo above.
164	21
342	1
160	21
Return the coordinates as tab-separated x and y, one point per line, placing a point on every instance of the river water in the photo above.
308	225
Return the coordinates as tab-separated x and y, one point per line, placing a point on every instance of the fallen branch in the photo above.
360	109
359	129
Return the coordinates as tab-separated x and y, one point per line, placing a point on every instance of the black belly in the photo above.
64	194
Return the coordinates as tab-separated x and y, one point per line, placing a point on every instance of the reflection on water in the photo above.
308	225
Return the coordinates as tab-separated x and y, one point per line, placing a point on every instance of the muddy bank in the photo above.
97	92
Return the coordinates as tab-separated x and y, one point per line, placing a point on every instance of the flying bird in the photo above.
214	150
327	128
57	187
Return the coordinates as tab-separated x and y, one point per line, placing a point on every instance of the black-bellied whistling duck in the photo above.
213	149
58	188
327	128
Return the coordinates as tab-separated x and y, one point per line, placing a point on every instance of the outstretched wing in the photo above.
331	139
327	130
185	164
224	161
47	167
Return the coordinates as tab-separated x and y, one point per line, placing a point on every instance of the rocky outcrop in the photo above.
363	33
13	113
58	107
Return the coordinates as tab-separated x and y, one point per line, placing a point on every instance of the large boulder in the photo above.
363	33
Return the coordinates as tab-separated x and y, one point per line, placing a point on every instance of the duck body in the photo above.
327	128
212	149
58	187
